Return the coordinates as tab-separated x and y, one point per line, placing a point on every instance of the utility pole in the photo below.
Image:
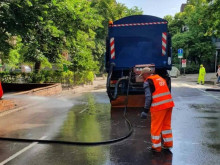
216	59
0	63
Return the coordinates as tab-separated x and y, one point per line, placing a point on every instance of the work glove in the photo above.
144	113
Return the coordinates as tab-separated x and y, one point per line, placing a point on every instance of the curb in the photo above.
212	89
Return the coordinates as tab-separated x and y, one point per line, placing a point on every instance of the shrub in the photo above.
49	76
191	69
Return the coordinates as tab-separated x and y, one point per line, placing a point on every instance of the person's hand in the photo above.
143	115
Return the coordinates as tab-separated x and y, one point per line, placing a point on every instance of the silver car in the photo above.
174	72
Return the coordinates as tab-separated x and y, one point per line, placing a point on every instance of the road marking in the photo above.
202	90
21	151
208	94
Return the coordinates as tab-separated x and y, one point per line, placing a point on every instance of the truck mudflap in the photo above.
134	101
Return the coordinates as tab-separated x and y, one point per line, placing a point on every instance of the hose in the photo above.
126	106
113	97
130	128
108	81
126	100
116	87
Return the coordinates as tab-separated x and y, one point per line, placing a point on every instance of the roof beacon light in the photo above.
110	22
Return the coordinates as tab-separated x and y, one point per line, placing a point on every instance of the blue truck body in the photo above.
136	40
138	44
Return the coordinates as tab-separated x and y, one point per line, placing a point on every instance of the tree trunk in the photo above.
37	67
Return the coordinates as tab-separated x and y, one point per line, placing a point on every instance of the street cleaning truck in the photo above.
133	43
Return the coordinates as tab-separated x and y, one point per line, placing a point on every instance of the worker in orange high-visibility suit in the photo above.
159	101
1	90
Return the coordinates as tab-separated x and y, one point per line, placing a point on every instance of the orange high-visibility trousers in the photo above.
161	124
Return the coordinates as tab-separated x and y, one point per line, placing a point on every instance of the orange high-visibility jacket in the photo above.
161	97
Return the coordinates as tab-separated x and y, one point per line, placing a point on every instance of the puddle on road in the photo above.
91	122
209	108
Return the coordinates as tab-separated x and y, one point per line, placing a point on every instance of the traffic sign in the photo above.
180	53
183	63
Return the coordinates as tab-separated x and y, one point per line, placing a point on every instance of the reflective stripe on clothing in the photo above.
156	145
167	139
167	132
161	124
161	102
162	94
155	137
161	97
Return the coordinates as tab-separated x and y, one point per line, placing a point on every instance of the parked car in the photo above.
23	69
174	72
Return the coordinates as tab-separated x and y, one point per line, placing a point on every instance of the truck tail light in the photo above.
113	81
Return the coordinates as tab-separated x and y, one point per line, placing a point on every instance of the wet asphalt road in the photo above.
89	118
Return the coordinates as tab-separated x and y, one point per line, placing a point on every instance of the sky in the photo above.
158	8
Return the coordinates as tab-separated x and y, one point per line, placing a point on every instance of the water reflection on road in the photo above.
88	122
95	121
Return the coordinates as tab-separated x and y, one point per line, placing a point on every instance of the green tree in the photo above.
189	31
176	23
50	28
202	46
212	15
30	20
79	22
15	53
4	36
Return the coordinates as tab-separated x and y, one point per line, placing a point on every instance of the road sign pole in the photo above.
184	66
180	56
216	58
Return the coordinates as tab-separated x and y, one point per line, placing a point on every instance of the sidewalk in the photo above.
16	101
210	81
